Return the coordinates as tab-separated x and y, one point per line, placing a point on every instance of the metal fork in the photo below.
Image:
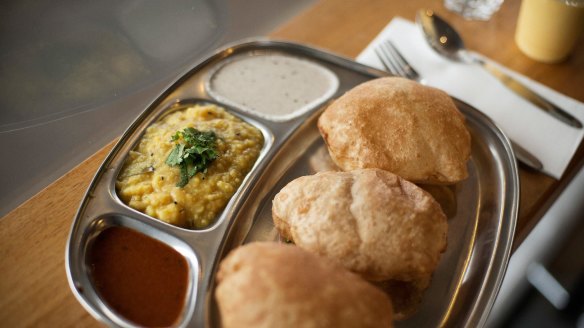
395	63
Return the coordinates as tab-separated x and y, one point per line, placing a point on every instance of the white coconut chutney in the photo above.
274	86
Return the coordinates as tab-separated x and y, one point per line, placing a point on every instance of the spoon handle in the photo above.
527	158
530	95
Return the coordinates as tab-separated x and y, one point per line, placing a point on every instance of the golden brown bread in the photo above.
321	161
277	285
371	221
400	126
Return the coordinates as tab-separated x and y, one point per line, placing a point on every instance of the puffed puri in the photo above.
371	221
269	284
401	126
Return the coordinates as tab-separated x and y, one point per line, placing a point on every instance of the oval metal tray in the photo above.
480	234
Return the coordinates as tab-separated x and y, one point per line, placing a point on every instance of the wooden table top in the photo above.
33	285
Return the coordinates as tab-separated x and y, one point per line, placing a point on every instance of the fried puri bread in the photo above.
321	161
371	221
267	284
400	126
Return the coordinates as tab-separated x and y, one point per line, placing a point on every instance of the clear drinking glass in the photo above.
474	9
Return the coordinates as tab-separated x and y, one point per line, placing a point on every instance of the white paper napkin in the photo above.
550	140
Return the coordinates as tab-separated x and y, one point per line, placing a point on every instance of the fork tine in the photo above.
386	61
409	71
391	57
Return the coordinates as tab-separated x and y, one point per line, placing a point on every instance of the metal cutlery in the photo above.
395	63
447	42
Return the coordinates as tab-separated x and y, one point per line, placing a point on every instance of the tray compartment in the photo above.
92	240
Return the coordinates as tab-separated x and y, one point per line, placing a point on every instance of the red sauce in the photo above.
139	277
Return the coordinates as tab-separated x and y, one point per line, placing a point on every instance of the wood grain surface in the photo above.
33	284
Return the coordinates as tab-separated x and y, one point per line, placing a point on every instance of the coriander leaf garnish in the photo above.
194	151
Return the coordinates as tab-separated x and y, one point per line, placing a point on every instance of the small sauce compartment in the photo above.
140	279
149	183
278	87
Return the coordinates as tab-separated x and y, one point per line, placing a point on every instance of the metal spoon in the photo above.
447	42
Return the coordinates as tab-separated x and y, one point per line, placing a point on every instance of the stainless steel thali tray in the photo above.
480	234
